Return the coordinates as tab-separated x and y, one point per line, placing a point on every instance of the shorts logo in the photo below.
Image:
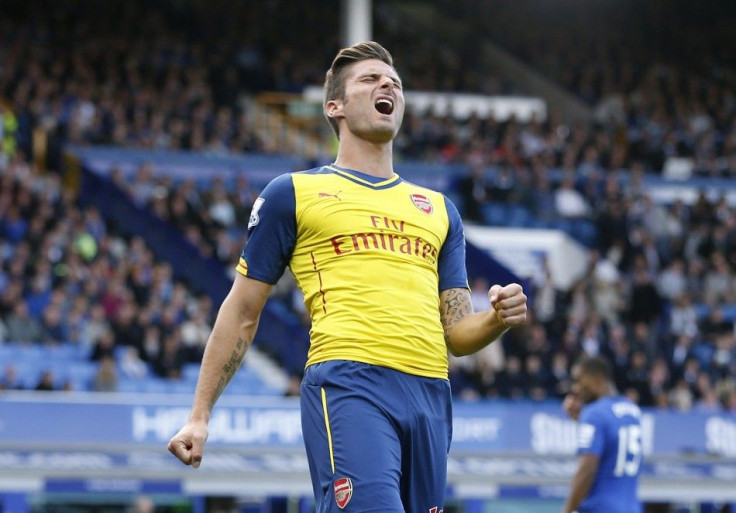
343	491
422	203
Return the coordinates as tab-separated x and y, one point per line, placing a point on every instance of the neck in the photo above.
374	159
605	391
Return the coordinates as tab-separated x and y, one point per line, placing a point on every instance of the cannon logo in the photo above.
343	491
422	203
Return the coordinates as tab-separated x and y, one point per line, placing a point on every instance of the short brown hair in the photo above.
334	87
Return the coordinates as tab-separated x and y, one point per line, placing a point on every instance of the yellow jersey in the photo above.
370	255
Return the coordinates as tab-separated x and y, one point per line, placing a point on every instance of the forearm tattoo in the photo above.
231	367
454	305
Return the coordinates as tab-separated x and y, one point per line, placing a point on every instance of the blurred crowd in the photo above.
659	277
67	279
208	215
664	87
187	78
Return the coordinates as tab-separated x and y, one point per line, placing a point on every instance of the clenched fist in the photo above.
188	443
509	302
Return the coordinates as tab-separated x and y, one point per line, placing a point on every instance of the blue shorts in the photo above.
376	439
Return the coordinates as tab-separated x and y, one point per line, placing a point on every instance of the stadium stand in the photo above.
659	283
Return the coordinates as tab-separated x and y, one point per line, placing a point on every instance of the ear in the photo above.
333	109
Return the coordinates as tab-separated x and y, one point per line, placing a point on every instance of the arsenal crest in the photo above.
343	491
422	203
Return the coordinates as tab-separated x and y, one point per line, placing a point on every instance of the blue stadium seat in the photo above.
702	310
155	386
729	312
131	386
9	353
494	214
80	371
584	231
704	353
518	216
181	387
32	353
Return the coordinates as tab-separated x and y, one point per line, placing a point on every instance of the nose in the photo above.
386	82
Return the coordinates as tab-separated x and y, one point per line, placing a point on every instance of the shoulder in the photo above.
436	199
624	407
595	411
280	184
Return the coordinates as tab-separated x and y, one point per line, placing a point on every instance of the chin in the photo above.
378	136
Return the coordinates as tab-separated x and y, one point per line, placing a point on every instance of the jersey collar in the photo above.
374	182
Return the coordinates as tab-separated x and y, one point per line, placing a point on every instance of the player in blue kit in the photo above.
609	443
381	264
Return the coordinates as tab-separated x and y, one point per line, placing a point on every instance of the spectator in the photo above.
645	303
194	334
719	284
536	377
681	397
714	325
606	289
106	377
22	327
511	382
671	282
569	203
659	382
104	346
131	365
472	190
95	326
560	379
55	331
684	317
10	379
46	382
169	362
681	353
501	186
637	377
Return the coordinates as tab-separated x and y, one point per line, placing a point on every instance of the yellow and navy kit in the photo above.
370	255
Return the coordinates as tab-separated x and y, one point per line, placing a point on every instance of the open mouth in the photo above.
384	105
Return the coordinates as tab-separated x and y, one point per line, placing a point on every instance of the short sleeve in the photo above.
591	433
451	261
271	232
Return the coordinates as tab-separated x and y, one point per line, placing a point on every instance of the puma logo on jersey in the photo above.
328	195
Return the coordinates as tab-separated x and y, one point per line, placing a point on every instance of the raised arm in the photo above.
231	337
466	331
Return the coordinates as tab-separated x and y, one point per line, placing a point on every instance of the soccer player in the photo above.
381	263
609	443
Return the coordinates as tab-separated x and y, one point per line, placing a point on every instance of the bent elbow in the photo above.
454	350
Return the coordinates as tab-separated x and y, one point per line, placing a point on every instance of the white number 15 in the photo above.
628	457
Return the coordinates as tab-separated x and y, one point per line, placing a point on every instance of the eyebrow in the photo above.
376	74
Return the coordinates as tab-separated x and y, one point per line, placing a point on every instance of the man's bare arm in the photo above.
231	337
467	332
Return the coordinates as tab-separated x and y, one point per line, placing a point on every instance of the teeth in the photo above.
384	100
